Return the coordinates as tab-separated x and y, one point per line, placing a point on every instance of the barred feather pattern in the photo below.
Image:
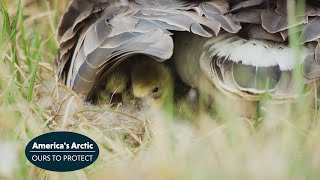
96	35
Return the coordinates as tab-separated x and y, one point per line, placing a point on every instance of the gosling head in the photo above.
151	81
115	86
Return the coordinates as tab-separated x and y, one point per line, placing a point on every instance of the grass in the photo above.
285	145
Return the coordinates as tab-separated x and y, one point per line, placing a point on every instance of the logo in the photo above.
62	151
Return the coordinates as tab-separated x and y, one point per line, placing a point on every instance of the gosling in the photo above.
152	82
115	89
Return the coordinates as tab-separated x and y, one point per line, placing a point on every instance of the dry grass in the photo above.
285	144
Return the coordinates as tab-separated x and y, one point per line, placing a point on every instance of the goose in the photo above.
239	47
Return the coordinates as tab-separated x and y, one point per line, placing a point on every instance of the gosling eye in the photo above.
155	92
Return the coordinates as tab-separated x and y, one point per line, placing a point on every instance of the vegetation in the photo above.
284	143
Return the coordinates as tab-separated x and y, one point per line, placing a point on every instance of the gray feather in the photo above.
312	30
175	19
258	32
72	13
246	4
311	68
119	40
312	65
252	16
274	22
225	20
166	3
218	7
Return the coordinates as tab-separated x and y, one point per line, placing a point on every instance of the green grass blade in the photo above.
37	54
